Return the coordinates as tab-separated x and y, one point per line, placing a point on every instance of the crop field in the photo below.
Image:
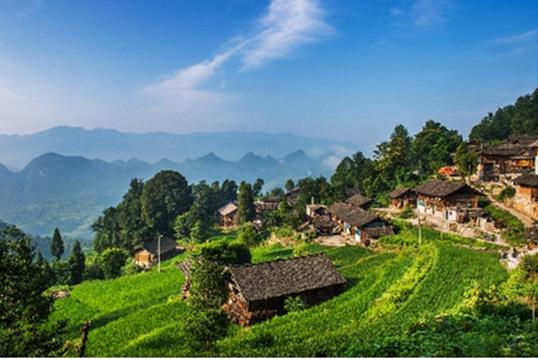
387	292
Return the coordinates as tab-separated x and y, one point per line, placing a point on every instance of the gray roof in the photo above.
440	188
359	217
358	200
287	277
167	245
527	180
399	192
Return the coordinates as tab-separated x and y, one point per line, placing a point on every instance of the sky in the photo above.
337	69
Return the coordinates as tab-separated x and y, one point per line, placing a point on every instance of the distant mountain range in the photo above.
16	151
69	192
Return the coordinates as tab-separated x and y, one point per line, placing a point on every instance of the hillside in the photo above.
388	293
69	192
110	145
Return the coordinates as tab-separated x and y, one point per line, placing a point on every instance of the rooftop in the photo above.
440	188
285	277
527	180
227	209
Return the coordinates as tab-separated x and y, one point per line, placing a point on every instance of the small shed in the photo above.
147	255
258	291
228	215
403	197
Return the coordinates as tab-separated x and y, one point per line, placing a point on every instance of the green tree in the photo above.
289	185
517	119
466	160
164	197
245	203
112	261
433	147
249	235
57	245
257	187
199	232
352	174
203	327
24	310
76	264
393	159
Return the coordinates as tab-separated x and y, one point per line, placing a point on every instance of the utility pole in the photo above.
159	253
419	229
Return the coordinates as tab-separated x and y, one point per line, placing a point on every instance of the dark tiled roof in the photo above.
523	139
440	188
167	244
399	192
505	149
376	232
285	277
527	180
359	217
358	200
339	209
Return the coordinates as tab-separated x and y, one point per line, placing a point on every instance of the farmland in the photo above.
388	292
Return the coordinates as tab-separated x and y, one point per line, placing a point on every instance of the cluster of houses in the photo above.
351	218
514	162
228	213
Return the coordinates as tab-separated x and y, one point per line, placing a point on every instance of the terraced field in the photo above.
388	291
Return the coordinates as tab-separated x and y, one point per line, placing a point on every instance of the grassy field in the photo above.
388	291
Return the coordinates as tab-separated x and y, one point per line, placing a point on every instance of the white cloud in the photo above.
529	36
286	25
331	162
426	13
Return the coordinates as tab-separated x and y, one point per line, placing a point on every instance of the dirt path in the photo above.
526	220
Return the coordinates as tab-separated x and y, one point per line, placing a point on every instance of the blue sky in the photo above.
346	70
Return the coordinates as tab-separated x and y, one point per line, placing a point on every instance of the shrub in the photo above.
514	233
112	261
407	212
203	327
293	304
507	192
131	268
249	235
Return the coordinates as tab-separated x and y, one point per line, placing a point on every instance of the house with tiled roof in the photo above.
448	201
526	197
258	291
508	158
147	254
403	197
228	215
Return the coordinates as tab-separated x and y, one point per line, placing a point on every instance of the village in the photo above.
448	203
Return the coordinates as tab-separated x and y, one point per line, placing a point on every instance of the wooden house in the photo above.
228	215
266	205
403	197
315	210
447	201
147	255
358	200
511	157
362	225
292	196
526	197
258	291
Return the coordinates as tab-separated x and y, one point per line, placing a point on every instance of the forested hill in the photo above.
70	192
519	118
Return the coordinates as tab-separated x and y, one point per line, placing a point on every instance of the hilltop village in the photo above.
431	232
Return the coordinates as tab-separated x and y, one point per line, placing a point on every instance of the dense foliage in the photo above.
517	119
24	309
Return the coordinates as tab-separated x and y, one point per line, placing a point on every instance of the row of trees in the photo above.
517	119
